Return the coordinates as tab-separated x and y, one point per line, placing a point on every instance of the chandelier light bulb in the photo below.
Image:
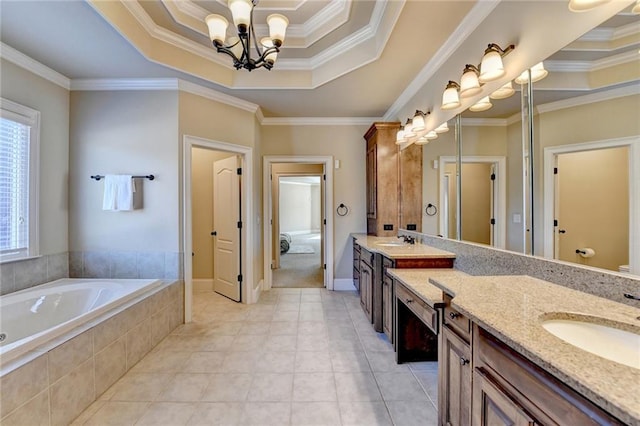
277	28
241	12
217	28
584	5
491	67
443	128
417	124
266	43
503	92
469	84
482	105
450	98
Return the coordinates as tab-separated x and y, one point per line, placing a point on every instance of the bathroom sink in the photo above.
608	342
390	244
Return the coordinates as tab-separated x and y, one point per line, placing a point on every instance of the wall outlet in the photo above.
411	227
387	227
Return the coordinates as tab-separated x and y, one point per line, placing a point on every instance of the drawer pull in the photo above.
464	361
453	315
409	301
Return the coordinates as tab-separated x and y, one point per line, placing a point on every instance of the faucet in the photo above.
408	239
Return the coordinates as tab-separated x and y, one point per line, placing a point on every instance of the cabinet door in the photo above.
366	287
455	380
371	181
356	267
387	307
492	406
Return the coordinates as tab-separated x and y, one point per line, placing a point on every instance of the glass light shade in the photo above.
277	28
443	128
584	5
636	8
408	130
431	135
417	124
469	84
241	11
217	27
400	136
422	140
266	43
450	98
482	105
538	72
503	92
491	67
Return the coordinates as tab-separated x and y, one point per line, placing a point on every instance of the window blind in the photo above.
14	187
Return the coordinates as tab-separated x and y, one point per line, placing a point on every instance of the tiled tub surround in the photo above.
476	259
21	274
55	383
125	264
512	308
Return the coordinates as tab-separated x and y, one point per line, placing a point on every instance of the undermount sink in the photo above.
608	342
390	244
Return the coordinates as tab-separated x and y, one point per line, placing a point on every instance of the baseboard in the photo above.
343	284
202	285
256	292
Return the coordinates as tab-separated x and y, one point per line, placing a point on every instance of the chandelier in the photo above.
239	48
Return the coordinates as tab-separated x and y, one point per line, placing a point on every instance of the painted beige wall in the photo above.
476	202
202	209
594	206
52	101
296	207
130	133
344	143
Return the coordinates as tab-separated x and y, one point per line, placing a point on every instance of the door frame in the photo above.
550	155
250	291
267	201
500	199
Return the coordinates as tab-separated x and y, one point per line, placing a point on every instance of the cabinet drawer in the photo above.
456	320
424	312
387	263
366	257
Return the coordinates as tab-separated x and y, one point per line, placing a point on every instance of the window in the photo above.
19	148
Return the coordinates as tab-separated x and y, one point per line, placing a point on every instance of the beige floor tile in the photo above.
281	343
266	414
312	387
162	361
364	414
307	361
283	328
167	413
271	387
204	362
313	343
357	387
217	413
217	342
118	413
348	362
185	387
385	361
248	342
227	387
240	362
140	386
400	387
412	413
315	414
276	362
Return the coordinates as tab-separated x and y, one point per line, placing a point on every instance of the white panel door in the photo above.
226	217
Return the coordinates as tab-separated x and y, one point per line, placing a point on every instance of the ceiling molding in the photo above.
515	118
20	59
622	58
469	23
214	95
485	122
598	34
115	84
319	121
586	66
606	95
568	66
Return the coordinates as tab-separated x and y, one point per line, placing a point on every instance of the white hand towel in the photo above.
118	193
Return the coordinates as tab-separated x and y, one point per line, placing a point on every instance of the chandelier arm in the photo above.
227	50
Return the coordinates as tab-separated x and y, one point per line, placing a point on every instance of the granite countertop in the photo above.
403	251
418	280
513	309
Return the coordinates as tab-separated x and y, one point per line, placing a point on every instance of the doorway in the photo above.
293	218
298	221
592	204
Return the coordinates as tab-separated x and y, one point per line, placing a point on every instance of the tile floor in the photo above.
299	357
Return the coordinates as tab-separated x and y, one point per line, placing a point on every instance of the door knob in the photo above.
214	233
562	231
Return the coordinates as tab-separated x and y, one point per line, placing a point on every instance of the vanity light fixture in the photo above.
469	84
584	5
491	67
503	92
400	136
240	48
417	124
450	97
482	105
408	130
636	8
431	135
422	140
443	128
538	72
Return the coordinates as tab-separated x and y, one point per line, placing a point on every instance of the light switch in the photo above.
517	218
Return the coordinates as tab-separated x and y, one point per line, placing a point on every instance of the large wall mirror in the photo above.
585	129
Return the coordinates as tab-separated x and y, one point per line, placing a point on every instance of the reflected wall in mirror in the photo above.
411	188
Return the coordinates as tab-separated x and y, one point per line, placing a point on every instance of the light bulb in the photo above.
417	124
469	84
538	72
482	105
217	28
503	92
241	12
491	67
443	128
584	5
450	98
277	28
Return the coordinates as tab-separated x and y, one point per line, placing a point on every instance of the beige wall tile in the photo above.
137	313
35	412
88	413
110	364
24	383
107	332
160	326
138	342
69	355
72	394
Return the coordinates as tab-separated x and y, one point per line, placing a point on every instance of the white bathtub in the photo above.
35	316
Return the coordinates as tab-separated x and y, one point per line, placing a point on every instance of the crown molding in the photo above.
622	58
214	95
606	95
20	59
515	118
469	23
610	34
587	66
568	66
319	121
485	122
115	84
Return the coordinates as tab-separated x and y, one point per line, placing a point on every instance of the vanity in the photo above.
499	364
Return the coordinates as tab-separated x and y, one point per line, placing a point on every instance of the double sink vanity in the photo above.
512	350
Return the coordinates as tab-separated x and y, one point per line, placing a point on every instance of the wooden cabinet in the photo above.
454	386
387	304
356	266
366	282
492	406
382	179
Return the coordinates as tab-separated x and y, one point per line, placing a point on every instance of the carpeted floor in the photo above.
300	270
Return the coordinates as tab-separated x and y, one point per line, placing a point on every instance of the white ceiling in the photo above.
341	58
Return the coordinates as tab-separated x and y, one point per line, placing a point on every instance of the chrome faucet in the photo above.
408	239
631	296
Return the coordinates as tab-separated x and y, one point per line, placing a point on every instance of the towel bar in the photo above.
150	177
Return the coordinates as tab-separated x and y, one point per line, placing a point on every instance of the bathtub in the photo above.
38	315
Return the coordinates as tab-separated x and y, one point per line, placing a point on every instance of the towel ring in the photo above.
431	210
342	210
